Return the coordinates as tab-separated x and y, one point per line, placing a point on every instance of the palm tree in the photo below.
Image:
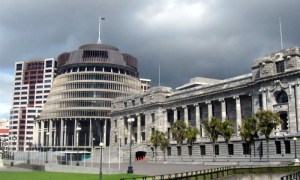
212	130
226	131
191	135
248	131
267	122
179	132
155	141
164	143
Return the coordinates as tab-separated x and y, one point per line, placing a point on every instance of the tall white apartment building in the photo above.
33	80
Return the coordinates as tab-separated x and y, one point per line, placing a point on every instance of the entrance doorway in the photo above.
140	155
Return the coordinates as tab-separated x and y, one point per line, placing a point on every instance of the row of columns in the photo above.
62	140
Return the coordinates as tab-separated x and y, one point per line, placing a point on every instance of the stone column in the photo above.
42	133
55	134
186	115
91	134
175	114
297	100
104	132
238	114
61	132
65	134
264	99
50	132
138	118
223	109
197	111
209	110
75	133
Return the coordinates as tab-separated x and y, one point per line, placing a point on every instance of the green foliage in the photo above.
191	135
212	128
179	131
267	122
155	138
248	130
226	130
164	142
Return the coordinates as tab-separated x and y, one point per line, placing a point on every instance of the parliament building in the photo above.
273	84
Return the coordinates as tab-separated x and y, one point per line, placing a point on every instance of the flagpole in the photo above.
280	33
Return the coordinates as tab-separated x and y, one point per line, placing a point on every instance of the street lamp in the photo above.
130	169
295	140
14	138
47	144
100	173
28	157
78	128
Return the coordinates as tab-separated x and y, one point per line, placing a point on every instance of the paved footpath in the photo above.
152	168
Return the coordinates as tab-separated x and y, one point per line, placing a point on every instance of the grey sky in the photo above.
209	38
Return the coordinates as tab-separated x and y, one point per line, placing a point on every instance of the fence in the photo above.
222	172
294	175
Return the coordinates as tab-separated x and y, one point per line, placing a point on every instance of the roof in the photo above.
4	131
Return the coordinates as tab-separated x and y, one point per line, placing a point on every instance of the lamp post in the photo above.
130	169
47	144
28	157
14	138
100	173
78	128
295	140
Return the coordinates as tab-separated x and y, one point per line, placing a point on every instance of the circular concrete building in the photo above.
77	112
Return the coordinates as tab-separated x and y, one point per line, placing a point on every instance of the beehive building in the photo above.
77	112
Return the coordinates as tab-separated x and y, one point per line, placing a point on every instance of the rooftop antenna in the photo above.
280	33
99	37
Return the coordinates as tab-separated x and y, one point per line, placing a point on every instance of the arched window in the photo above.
282	97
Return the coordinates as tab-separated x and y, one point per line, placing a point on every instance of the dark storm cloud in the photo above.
216	39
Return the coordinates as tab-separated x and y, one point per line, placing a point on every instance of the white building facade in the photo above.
272	85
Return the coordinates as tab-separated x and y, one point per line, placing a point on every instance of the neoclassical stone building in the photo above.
77	112
273	85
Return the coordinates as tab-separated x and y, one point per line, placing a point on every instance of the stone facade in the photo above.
272	85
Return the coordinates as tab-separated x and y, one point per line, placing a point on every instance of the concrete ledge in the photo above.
80	169
259	163
220	163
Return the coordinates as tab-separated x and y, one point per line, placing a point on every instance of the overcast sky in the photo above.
208	38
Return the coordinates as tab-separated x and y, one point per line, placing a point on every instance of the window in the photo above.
179	150
152	117
19	67
287	147
282	97
278	147
133	102
260	100
280	66
202	150
125	104
190	150
217	149
142	100
169	151
230	149
246	148
48	64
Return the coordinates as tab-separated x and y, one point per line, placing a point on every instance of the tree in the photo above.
248	132
155	140
211	128
267	122
226	131
163	144
191	135
179	132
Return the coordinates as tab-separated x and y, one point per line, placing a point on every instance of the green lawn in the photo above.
35	175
